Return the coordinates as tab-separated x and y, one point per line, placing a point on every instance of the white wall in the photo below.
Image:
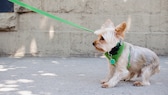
38	35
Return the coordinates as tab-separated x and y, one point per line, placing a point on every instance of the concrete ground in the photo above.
69	76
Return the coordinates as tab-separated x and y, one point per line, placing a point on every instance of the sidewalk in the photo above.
69	76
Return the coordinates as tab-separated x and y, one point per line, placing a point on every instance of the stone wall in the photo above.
25	33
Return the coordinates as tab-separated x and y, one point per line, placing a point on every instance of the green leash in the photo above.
49	15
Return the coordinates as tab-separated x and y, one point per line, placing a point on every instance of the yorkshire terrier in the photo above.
125	60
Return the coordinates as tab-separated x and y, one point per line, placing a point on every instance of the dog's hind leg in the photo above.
146	73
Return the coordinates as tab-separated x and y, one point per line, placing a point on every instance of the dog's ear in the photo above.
108	24
120	29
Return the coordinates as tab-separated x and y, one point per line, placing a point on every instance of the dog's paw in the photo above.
138	83
105	85
103	81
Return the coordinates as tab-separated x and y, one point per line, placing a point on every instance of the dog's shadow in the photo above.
124	82
128	82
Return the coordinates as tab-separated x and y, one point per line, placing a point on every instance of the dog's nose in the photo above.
93	43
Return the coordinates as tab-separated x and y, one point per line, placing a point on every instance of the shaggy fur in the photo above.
144	62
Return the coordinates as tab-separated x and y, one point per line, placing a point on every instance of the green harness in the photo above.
113	58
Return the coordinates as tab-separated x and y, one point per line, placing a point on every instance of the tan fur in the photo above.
121	29
144	62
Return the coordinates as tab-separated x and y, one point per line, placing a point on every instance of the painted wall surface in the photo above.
25	33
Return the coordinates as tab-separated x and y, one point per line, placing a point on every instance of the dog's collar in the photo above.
117	49
115	53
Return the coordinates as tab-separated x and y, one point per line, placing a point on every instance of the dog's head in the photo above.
109	36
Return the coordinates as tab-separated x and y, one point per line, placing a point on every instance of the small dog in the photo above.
125	60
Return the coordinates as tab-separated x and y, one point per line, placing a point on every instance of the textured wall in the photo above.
37	35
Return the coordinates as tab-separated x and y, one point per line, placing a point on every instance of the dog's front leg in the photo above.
118	75
110	74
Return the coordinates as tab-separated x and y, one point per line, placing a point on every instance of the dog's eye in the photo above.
101	38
